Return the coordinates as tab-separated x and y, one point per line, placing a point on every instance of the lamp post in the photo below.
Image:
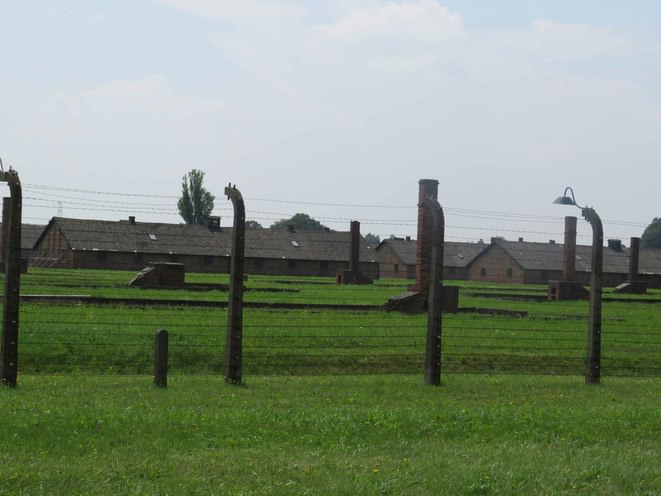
593	363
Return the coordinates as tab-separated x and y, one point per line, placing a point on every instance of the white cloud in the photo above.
574	41
131	117
238	10
422	20
383	89
148	95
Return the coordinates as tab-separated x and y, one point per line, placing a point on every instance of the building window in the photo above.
208	260
291	264
323	265
102	256
174	258
483	271
509	272
137	257
258	263
395	268
452	270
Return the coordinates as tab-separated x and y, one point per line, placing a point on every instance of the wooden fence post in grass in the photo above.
234	337
435	299
11	299
161	359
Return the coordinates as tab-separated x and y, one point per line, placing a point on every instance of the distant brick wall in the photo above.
221	264
495	265
392	267
54	250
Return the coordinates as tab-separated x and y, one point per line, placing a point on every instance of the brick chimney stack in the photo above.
569	251
355	246
634	256
427	188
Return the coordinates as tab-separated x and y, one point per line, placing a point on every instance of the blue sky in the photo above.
310	106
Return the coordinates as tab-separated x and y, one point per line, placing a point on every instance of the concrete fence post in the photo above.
234	337
11	300
593	362
435	299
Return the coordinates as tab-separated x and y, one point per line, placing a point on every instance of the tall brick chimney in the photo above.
355	246
354	275
427	188
568	288
569	251
634	255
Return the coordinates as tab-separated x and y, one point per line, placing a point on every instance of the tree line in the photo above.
196	204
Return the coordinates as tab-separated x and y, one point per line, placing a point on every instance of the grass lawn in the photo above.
353	435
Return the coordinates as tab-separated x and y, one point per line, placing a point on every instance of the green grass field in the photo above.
326	435
118	337
333	401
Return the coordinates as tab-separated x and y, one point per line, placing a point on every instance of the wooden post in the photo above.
435	299
234	339
11	300
161	359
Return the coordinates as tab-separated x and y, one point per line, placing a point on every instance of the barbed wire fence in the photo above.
282	342
119	338
400	220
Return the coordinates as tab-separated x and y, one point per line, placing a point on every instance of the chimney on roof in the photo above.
132	220
520	240
354	254
569	251
633	259
408	238
552	241
213	223
615	244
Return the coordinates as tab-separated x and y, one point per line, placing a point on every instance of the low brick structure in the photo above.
129	245
160	275
397	258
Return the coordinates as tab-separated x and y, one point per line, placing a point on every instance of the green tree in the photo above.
651	237
299	222
196	203
373	239
253	224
